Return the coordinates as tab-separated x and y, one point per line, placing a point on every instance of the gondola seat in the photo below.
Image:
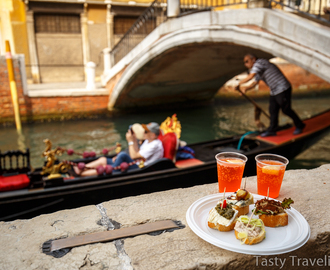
14	166
184	163
14	182
170	144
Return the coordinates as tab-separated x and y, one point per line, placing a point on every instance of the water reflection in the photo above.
219	119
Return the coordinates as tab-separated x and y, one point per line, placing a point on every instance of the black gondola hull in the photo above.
57	194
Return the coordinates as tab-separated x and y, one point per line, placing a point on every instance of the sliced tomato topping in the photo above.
224	204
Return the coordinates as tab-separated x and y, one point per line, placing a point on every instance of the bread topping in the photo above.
272	207
249	231
216	218
240	203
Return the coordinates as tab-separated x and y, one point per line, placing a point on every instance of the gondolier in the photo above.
280	91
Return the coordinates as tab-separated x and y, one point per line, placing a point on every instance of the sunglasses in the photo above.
246	61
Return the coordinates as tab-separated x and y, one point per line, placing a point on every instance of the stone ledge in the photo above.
65	89
68	92
181	249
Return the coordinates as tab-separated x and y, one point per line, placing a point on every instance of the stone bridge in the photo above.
189	58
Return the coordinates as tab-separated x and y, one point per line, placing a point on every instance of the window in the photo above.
122	24
52	23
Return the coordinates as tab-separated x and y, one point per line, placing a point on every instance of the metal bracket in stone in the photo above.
60	247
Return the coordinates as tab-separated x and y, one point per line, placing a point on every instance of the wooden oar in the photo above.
253	102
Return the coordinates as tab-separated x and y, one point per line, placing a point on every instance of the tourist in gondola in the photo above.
149	151
280	91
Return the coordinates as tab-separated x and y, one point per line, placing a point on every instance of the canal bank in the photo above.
22	240
67	101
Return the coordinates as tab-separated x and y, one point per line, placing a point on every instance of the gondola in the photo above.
46	195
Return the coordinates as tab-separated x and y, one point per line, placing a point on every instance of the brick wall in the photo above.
302	79
66	106
36	108
6	104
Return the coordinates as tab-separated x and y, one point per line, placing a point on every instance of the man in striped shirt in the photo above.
280	91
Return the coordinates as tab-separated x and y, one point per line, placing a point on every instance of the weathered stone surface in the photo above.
21	240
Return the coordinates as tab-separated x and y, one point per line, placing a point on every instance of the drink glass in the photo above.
230	167
270	172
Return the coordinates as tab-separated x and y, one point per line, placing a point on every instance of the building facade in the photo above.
58	38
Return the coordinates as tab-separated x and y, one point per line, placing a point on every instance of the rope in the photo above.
242	138
123	166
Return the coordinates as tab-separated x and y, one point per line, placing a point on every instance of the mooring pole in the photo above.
13	88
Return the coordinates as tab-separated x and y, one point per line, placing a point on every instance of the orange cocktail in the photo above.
270	172
230	167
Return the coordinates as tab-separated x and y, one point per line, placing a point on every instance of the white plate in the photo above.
278	240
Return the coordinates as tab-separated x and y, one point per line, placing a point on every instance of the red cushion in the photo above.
188	162
170	145
14	182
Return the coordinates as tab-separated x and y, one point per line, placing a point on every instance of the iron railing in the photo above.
153	16
188	6
317	9
156	14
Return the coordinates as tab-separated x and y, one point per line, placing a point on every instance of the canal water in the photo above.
220	118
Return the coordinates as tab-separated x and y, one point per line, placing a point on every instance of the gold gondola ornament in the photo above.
171	124
52	169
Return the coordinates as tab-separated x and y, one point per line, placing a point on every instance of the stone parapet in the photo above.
21	240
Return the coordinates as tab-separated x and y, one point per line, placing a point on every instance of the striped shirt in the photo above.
271	75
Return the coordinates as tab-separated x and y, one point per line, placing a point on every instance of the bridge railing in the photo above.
188	6
317	9
153	16
156	14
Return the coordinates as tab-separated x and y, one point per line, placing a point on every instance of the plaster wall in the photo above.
18	21
60	57
97	35
13	28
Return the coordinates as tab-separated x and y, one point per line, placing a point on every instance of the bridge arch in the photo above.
189	58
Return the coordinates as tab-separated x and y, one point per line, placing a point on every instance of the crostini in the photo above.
240	201
222	217
250	234
272	212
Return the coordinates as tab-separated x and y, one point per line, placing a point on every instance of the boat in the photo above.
44	194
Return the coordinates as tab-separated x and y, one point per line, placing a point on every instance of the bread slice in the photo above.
222	228
253	240
275	220
242	210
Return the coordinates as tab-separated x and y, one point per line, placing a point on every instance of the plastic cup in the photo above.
230	167
270	172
